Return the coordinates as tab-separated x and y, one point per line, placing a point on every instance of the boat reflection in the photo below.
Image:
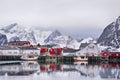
31	68
19	68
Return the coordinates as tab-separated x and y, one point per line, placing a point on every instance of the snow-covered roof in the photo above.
18	42
91	48
9	48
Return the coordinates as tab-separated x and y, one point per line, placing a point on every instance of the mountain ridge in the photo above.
111	35
15	32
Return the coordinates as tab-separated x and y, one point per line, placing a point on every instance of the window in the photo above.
31	52
36	53
9	52
82	57
15	52
0	52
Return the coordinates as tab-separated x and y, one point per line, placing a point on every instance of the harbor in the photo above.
25	51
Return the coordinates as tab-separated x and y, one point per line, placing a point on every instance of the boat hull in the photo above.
80	60
27	58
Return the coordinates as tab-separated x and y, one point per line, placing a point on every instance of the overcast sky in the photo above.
81	18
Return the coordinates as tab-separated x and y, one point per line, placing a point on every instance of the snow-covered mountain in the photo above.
41	36
111	35
15	32
53	35
57	38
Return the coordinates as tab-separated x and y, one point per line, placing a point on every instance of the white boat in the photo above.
29	57
80	59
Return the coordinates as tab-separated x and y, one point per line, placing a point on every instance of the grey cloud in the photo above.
82	14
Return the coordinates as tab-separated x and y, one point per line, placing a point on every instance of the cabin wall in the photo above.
9	52
31	52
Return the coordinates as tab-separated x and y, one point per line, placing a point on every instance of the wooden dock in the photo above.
56	59
66	59
9	58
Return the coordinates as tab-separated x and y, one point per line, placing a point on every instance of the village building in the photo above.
83	45
90	50
110	54
9	51
30	51
19	43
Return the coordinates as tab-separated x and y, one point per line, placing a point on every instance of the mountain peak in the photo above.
111	34
9	27
118	21
56	32
53	35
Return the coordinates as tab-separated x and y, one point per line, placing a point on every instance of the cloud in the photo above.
60	13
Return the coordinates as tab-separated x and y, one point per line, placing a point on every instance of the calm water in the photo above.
30	70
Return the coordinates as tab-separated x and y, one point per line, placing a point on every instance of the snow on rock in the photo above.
74	44
111	35
18	31
62	40
53	35
41	36
88	40
15	38
15	32
3	39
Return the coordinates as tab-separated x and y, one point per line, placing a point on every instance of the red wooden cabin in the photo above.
43	50
110	54
114	54
23	44
55	51
19	43
51	67
43	68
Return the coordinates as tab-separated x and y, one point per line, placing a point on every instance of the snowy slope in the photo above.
14	30
53	35
62	40
74	44
41	36
88	40
111	35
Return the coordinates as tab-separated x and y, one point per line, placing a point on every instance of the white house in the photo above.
30	51
91	50
9	51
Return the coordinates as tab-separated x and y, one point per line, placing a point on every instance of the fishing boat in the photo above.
29	57
80	59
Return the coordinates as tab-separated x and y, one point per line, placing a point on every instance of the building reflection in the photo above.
28	68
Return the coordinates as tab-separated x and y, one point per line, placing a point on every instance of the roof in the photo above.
16	48
18	42
48	45
83	45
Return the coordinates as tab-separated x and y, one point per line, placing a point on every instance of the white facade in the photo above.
18	51
91	49
30	51
9	52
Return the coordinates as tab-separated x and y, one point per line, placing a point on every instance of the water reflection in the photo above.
72	71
